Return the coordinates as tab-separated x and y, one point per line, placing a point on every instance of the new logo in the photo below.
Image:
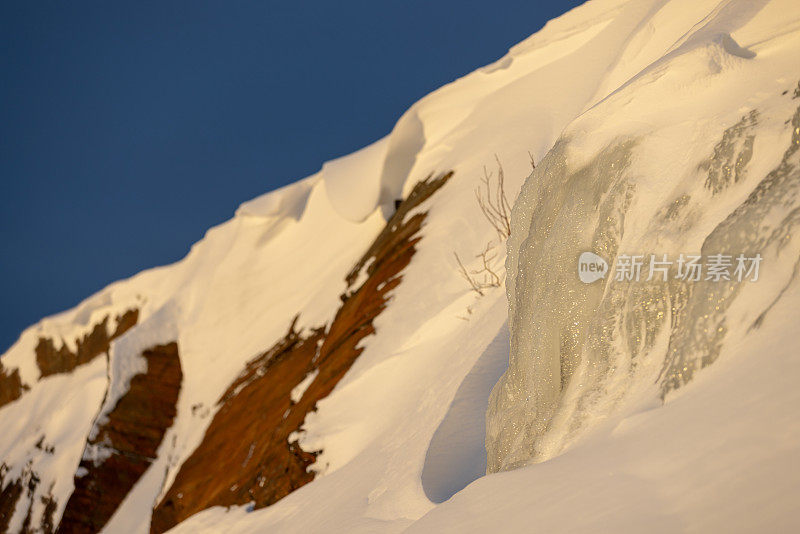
591	267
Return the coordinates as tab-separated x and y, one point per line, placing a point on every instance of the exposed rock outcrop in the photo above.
246	455
9	495
125	442
22	491
51	360
11	386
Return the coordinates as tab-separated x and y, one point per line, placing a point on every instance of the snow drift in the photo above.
657	127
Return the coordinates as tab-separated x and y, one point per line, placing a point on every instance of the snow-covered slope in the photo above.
663	127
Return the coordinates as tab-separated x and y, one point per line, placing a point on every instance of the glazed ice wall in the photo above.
558	214
578	350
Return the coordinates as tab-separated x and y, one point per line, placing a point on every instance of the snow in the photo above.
603	188
351	183
62	415
719	456
125	358
300	389
652	84
456	455
289	201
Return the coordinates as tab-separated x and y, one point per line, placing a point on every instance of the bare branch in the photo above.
466	275
484	278
491	278
533	163
493	201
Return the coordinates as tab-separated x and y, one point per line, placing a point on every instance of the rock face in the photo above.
11	386
22	492
123	446
25	488
9	496
51	360
247	454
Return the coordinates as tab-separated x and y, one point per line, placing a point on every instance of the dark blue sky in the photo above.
128	129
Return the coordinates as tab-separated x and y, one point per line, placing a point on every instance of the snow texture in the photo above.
657	127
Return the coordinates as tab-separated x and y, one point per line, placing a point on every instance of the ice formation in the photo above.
577	349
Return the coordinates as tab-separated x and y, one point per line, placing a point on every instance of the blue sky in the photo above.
128	129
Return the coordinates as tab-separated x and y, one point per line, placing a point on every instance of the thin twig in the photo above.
496	208
494	203
465	274
484	278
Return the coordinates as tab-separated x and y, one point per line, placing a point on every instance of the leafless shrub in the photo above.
493	201
484	277
494	204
